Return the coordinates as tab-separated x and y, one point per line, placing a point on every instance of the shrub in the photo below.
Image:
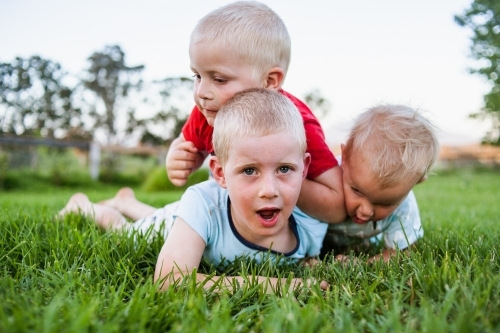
108	176
158	180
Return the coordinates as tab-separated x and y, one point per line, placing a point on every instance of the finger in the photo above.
187	146
181	165
324	285
179	175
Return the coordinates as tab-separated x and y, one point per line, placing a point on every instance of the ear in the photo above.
422	179
307	162
217	171
274	78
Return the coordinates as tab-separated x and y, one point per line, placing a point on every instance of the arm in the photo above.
183	158
323	197
176	260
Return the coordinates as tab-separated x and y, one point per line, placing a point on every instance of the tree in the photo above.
35	99
483	19
111	81
318	104
172	109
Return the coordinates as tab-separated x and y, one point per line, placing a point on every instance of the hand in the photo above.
310	262
308	283
345	259
182	159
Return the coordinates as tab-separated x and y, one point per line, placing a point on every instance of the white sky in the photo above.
357	53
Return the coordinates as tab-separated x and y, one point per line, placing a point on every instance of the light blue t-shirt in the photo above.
204	207
399	230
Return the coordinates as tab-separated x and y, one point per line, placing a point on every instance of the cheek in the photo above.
224	94
350	202
289	189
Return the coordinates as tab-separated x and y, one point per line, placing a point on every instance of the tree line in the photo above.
109	101
483	20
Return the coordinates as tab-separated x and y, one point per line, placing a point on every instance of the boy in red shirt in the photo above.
236	47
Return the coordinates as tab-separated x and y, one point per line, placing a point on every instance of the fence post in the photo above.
95	159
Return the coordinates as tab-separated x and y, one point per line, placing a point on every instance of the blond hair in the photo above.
396	142
251	30
256	112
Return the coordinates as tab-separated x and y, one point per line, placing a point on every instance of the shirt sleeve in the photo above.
403	227
311	233
198	131
195	212
322	158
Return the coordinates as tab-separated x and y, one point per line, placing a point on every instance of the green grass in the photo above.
70	277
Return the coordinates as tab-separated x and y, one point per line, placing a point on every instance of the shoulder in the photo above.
310	230
203	207
304	110
208	191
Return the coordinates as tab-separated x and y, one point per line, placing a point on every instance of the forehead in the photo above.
271	148
357	175
217	51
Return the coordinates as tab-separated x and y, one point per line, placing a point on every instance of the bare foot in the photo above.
76	204
121	197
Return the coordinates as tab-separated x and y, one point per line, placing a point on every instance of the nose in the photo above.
202	89
365	209
268	187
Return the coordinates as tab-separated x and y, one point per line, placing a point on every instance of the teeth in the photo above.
267	215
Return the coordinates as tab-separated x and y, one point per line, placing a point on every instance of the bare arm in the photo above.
183	158
323	197
176	260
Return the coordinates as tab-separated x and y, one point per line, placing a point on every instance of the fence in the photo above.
27	143
22	151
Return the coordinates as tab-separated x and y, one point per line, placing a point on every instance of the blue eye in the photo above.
249	171
285	169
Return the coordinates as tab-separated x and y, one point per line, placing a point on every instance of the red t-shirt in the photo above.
198	131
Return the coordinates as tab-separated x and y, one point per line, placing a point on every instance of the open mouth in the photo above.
357	220
268	217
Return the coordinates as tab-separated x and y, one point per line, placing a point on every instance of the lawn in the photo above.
70	277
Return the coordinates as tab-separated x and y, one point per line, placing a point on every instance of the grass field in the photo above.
70	277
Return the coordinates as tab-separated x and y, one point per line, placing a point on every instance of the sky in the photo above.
357	53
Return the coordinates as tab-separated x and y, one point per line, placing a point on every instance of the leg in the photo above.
106	218
126	203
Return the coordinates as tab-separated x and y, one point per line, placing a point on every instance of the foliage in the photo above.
26	179
35	98
171	112
158	180
318	104
483	19
70	277
111	81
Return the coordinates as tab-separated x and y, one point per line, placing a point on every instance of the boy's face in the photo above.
263	176
219	75
365	199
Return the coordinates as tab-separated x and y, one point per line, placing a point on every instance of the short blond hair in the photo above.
252	31
256	112
396	142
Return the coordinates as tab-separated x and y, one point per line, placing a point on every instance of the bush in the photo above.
158	180
4	166
108	176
